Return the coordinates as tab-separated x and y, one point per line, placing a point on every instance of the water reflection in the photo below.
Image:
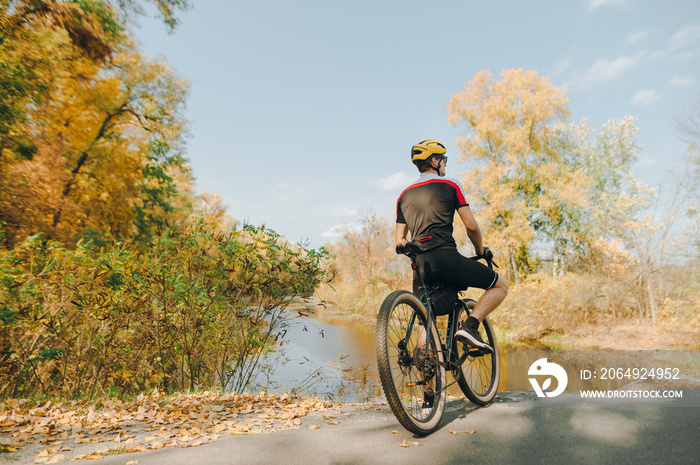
329	355
321	354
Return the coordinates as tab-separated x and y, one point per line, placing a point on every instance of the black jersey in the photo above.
428	206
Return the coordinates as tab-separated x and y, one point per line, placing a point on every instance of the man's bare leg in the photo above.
491	299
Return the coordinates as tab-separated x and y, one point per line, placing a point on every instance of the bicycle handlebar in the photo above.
489	260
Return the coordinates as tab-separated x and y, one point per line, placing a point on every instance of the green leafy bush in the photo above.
196	311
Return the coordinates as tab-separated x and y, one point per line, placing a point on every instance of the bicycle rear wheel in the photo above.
479	374
407	376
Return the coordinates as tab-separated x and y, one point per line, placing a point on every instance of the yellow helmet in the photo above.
425	149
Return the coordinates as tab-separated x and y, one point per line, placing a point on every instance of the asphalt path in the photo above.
516	429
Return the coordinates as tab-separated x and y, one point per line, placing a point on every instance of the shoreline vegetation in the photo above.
197	310
627	334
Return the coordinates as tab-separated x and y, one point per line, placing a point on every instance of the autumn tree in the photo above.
106	152
546	189
31	30
366	266
92	132
519	181
688	180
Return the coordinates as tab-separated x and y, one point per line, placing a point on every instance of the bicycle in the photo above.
413	377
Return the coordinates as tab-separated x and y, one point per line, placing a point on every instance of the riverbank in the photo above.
619	335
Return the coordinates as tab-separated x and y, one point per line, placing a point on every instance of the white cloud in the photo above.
689	55
605	70
658	55
645	97
393	182
686	35
682	81
338	230
634	37
592	4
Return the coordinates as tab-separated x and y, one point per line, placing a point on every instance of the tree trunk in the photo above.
83	159
653	310
514	266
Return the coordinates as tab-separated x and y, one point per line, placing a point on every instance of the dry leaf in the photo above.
219	428
452	432
132	462
56	458
470	431
314	427
403	444
395	432
333	422
415	443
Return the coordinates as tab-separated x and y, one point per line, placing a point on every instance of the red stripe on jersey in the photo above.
460	197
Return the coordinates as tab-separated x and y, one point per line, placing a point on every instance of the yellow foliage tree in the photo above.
90	130
107	142
366	267
519	181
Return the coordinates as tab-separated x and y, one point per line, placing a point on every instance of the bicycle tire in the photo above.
398	372
479	374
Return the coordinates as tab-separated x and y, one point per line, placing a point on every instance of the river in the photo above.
329	355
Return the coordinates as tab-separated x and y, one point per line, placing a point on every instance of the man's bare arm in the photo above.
400	233
473	231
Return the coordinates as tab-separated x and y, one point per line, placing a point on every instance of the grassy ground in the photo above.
626	335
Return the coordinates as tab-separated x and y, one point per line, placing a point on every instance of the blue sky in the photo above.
303	113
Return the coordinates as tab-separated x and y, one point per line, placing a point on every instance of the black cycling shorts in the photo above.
449	266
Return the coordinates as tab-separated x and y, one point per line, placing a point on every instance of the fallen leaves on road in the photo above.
469	431
409	444
150	422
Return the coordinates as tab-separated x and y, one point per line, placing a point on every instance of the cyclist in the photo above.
426	209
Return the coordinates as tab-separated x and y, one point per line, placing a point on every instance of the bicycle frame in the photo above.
447	348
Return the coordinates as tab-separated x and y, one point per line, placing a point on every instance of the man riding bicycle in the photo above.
426	209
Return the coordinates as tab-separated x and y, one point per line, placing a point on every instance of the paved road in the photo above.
515	430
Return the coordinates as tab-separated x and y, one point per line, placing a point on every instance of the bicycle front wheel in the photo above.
414	385
479	374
